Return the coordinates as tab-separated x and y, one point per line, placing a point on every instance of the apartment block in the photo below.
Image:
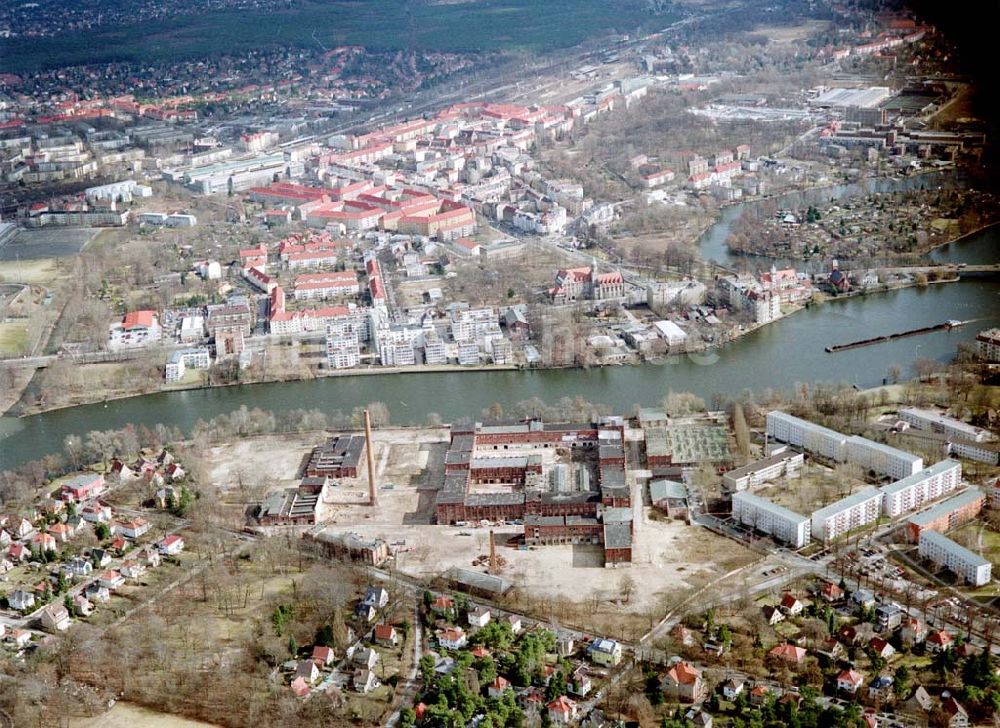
915	490
931	421
762	471
881	459
943	551
949	514
854	511
763	515
806	435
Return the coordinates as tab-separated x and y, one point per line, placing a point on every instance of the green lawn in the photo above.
479	25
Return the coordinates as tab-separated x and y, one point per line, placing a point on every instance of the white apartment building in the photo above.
882	459
983	452
854	511
468	353
763	515
183	359
343	349
988	344
915	490
943	551
804	434
762	471
931	421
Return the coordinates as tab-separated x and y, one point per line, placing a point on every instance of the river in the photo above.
775	356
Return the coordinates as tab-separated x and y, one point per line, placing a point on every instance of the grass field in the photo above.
378	24
40	271
13	339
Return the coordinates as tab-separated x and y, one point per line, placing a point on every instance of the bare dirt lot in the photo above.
126	715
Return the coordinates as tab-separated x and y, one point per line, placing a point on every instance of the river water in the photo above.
775	356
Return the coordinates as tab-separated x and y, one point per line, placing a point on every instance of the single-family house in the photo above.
957	717
758	695
82	606
580	684
364	681
914	631
133	528
307	670
364	611
97	592
60	532
881	687
849	681
603	651
79	567
683	683
55	618
479	617
452	638
385	634
110	579
881	647
42	542
322	655
21	600
732	688
498	687
830	592
171	545
18	552
96	513
562	711
365	657
939	640
699	718
791	605
101	557
23	529
442	604
133	569
20	638
863	598
792	654
376	596
772	615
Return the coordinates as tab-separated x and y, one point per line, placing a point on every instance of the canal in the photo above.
774	357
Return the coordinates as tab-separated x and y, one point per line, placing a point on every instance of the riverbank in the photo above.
20	409
31	410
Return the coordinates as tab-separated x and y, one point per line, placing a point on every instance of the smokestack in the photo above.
372	497
493	553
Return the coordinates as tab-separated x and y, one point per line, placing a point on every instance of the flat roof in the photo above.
865	494
881	447
946	506
769	506
478	580
971	558
918	477
761	464
617	536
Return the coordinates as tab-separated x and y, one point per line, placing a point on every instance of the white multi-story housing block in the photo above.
804	434
343	350
762	471
183	359
931	421
778	521
942	550
881	459
915	490
854	511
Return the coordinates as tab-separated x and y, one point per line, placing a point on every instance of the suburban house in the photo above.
366	657
732	688
55	618
497	688
791	605
442	604
96	592
110	579
939	640
376	596
82	606
773	615
881	648
21	600
605	652
479	617
830	592
515	623
957	717
364	681
561	711
452	638
322	655
683	682
133	528
914	631
849	681
789	653
385	634
307	670
171	545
